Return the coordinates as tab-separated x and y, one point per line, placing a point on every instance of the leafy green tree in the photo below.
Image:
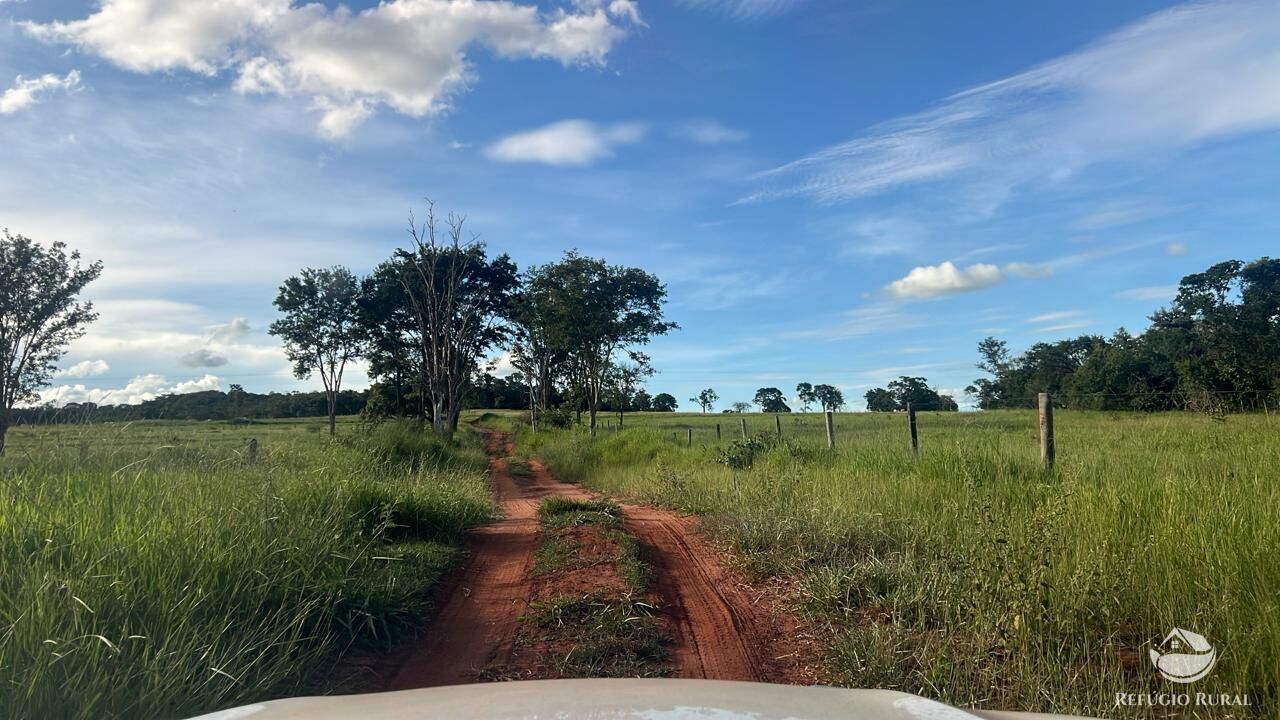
741	407
40	314
393	347
600	312
881	400
664	402
771	400
319	327
828	397
705	399
643	401
623	381
804	393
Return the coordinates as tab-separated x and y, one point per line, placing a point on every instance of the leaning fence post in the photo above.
911	424
831	432
690	442
777	423
253	450
1046	431
743	422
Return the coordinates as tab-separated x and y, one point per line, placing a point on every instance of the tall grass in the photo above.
969	574
162	580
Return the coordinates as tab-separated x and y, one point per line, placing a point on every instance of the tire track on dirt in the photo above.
720	632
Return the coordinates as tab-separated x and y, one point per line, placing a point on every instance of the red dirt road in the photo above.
721	631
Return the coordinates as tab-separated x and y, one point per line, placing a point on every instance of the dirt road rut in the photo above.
722	630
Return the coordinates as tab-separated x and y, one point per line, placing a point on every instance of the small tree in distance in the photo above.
39	315
804	393
664	402
705	399
319	328
771	400
741	407
829	397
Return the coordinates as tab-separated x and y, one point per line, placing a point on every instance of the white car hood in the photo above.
617	700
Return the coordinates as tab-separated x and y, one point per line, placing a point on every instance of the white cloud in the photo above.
747	9
1124	213
204	357
865	320
26	92
1176	248
568	142
1053	316
138	390
1154	292
1171	80
929	281
84	369
409	55
710	132
230	332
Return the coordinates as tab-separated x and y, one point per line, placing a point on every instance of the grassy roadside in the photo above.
971	576
170	579
591	613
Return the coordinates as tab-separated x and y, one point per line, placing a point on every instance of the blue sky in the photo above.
836	192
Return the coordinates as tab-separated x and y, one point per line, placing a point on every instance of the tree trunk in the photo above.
4	430
332	397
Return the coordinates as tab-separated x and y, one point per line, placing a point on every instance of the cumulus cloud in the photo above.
568	142
408	55
231	332
84	369
710	132
138	390
27	91
1176	78
204	357
929	281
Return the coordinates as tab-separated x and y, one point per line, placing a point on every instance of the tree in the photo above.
643	401
881	400
319	327
599	312
623	379
741	407
771	400
393	347
460	299
828	397
705	399
804	393
39	315
664	402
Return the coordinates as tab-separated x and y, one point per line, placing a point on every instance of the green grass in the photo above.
969	574
597	637
559	511
166	576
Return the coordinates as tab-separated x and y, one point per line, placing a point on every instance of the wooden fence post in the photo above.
717	433
84	453
831	431
743	422
1046	431
911	424
690	442
253	451
777	423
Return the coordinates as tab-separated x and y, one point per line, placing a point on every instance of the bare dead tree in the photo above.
459	299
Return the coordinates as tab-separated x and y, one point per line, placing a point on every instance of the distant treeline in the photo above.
1216	348
489	392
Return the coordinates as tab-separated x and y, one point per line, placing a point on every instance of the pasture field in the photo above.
164	575
970	574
